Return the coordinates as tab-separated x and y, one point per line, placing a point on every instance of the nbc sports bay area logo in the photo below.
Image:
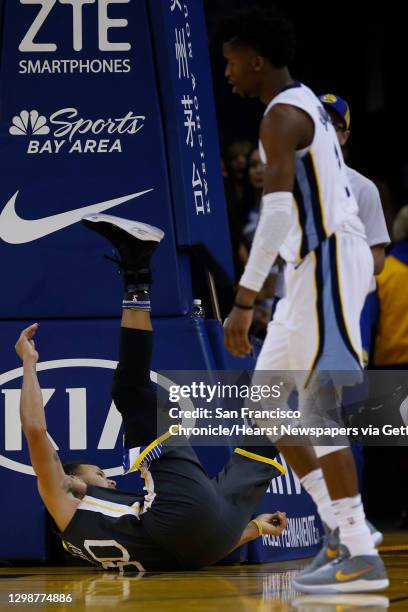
82	420
66	131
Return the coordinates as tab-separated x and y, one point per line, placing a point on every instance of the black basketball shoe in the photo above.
135	243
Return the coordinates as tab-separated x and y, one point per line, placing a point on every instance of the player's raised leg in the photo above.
132	391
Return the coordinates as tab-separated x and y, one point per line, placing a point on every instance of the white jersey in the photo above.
369	207
370	212
323	202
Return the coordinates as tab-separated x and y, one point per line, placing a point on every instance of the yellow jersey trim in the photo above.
135	506
255	457
300	228
147	450
319	191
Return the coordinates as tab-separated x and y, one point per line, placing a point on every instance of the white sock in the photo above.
354	533
315	485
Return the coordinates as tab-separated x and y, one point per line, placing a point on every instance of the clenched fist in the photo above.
273	524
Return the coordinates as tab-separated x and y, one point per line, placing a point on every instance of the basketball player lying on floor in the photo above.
184	520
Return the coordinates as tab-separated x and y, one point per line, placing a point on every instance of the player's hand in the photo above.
25	346
236	328
267	521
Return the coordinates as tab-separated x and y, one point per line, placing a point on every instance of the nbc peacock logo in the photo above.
28	123
73	133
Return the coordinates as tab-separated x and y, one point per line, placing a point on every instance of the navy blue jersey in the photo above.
107	530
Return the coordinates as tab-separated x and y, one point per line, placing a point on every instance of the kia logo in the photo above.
77	410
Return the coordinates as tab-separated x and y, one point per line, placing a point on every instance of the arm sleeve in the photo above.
273	227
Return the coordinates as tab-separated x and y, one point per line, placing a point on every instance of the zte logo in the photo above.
78	14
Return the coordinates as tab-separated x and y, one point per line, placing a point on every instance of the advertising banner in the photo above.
185	84
81	132
302	537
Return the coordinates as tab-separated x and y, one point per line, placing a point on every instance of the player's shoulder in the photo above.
286	109
287	118
281	121
295	89
295	93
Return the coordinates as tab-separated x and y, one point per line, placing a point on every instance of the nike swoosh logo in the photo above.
342	577
15	230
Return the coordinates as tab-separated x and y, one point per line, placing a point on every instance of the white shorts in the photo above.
317	325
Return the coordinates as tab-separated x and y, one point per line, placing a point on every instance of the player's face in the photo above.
93	475
242	70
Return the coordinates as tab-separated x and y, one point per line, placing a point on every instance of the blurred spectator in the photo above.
255	172
224	172
370	207
371	213
234	170
236	164
391	352
263	305
388	203
391	343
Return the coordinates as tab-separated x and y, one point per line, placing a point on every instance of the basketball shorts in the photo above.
315	331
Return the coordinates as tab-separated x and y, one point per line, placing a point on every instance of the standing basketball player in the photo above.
310	217
371	214
184	520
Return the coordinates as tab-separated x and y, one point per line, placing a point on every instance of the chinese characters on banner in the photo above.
189	105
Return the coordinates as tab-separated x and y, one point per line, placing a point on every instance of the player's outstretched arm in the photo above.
53	484
264	524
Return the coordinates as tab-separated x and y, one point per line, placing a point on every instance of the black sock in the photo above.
137	290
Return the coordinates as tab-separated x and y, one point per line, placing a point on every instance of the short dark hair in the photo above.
74	468
265	30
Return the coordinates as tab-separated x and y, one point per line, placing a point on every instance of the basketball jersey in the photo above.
107	530
323	202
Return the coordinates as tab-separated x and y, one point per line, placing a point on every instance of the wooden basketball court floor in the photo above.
239	588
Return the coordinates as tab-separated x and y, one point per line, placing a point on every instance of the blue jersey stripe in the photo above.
310	236
315	197
337	298
319	279
300	204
